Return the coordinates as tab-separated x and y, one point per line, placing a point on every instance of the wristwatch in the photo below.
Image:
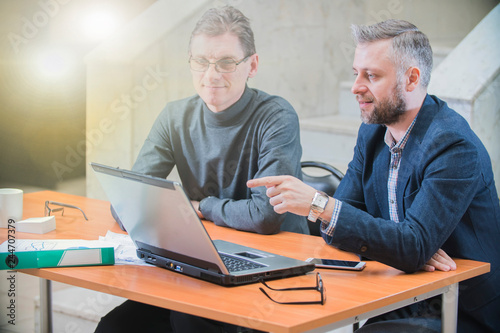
318	205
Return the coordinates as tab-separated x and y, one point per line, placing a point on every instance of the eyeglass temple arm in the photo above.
69	206
291	303
285	289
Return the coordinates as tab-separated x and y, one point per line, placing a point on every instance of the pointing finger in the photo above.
265	181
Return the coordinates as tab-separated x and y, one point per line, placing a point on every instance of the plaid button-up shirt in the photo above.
396	149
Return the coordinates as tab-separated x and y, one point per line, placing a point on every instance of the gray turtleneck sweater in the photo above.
216	153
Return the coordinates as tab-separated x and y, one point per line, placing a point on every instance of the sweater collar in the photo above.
231	115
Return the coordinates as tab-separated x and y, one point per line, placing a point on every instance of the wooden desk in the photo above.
351	296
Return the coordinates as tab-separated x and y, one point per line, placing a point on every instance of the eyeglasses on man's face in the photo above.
49	209
224	65
319	287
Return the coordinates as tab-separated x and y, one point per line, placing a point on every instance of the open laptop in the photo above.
168	233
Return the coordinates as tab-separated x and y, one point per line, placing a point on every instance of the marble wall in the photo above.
469	81
486	123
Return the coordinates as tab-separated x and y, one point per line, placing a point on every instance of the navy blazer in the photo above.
446	199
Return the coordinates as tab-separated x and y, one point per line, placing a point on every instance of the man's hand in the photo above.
196	206
440	261
286	193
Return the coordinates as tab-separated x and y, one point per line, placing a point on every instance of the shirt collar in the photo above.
398	146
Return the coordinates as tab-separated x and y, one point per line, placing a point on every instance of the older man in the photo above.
420	185
225	135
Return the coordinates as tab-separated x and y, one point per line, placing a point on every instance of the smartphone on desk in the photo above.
338	264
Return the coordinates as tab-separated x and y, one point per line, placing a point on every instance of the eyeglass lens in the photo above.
226	65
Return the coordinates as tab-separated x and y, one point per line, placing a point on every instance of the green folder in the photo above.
54	253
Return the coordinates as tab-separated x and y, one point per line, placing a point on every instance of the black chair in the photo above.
327	183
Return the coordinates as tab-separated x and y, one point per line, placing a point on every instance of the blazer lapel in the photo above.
412	154
381	165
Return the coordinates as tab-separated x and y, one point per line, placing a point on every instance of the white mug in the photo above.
11	206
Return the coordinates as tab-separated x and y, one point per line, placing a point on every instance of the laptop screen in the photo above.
157	214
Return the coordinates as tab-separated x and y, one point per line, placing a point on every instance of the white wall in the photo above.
305	54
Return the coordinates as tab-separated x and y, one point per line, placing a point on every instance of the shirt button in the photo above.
363	248
392	202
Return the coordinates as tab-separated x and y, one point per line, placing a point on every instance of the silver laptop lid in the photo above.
158	213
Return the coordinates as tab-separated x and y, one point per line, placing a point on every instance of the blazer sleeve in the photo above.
443	179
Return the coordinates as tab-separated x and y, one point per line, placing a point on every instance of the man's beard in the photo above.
388	111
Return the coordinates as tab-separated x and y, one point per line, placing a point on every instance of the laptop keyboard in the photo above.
236	265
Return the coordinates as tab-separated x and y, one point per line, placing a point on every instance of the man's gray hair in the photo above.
218	21
410	46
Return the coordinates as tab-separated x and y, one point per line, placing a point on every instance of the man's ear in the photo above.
254	65
413	78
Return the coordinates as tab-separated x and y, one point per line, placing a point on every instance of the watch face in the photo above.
322	201
318	205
